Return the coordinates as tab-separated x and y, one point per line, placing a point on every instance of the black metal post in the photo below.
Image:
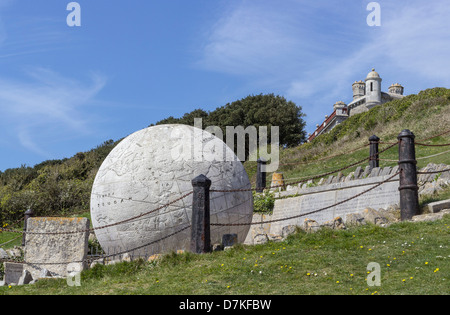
409	196
28	214
261	175
200	229
373	160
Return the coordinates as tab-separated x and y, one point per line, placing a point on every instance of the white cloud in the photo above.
46	107
413	43
416	38
251	38
314	48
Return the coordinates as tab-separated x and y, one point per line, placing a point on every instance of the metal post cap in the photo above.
406	133
202	181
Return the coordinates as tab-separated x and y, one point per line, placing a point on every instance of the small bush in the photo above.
263	202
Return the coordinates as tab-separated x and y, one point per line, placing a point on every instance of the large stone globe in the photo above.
154	167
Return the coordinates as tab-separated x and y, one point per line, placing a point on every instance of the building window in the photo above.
371	86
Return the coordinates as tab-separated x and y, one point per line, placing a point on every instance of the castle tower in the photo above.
396	89
373	89
359	89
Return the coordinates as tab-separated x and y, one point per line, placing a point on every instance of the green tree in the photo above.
254	110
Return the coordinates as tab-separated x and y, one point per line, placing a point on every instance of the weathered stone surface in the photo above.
260	239
373	216
288	230
366	172
375	172
55	252
430	216
311	226
358	172
324	197
15	252
335	224
438	206
354	219
45	274
3	254
431	167
256	229
386	171
217	247
26	278
155	166
391	213
349	177
229	240
329	180
13	272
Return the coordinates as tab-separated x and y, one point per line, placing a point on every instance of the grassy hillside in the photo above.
413	259
413	256
425	114
62	187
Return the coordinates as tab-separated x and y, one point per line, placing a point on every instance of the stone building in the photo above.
366	94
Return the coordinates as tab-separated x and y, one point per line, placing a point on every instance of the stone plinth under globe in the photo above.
154	167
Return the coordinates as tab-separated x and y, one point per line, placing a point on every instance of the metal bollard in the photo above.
261	175
200	228
409	197
28	214
373	159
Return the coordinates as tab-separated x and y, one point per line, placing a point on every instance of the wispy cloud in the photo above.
250	38
313	51
413	43
46	107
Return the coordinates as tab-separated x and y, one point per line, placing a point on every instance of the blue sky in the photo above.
66	89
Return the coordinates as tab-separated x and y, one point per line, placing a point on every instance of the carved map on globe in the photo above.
154	167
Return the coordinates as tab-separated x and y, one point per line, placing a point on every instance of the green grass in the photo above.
414	259
329	262
425	114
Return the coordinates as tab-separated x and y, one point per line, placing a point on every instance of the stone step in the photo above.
438	206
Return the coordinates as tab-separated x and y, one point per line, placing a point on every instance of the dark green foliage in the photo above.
255	110
63	187
263	202
54	187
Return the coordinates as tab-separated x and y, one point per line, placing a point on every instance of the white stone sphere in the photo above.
155	166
